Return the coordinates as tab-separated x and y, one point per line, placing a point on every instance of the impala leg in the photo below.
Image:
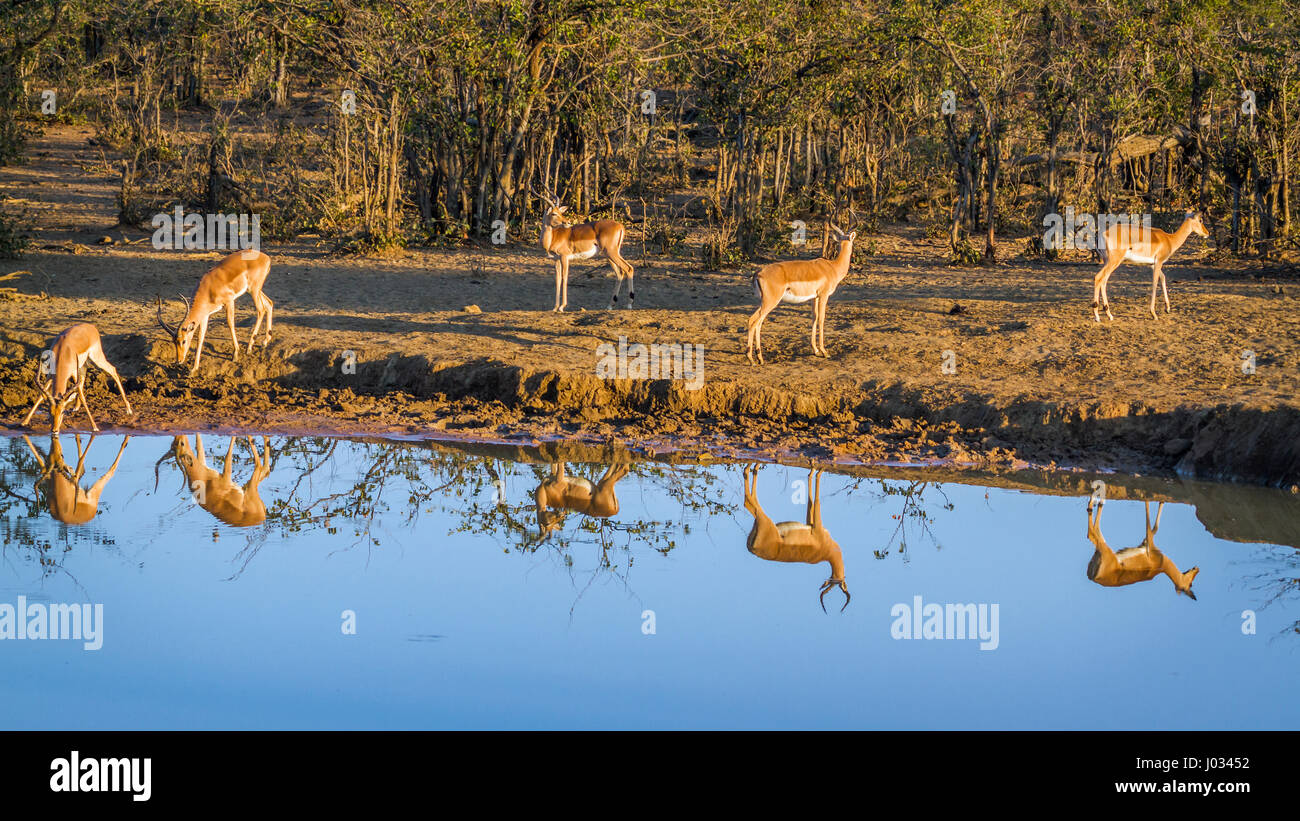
618	282
101	361
821	325
756	331
1155	282
39	401
751	486
82	453
230	321
1163	289
564	281
559	275
36	453
198	350
81	397
814	515
257	324
98	487
1105	296
817	311
230	461
624	269
1099	289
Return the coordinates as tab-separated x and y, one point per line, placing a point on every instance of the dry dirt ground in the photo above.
1036	380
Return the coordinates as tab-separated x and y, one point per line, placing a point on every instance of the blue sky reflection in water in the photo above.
466	617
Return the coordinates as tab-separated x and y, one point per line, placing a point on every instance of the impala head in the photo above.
180	451
58	404
1183	582
554	210
181	335
1198	227
826	588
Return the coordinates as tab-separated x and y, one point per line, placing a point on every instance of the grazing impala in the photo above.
561	492
1134	564
68	501
217	493
807	542
800	280
241	272
585	240
1150	246
71	350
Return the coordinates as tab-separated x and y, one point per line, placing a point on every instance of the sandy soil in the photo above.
1036	381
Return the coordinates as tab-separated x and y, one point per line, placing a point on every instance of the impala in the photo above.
585	240
68	501
800	280
1149	246
574	493
71	350
807	542
217	493
1134	564
241	272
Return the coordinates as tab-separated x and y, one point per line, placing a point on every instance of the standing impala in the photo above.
1134	564
68	501
1150	246
585	240
807	542
217	493
72	349
241	272
563	492
800	280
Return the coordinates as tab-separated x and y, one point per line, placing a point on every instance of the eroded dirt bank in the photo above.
310	390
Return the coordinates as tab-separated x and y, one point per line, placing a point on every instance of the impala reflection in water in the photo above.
65	499
532	566
1134	564
217	493
808	542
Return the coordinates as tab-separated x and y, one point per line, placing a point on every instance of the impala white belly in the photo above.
791	296
588	254
788	528
1135	257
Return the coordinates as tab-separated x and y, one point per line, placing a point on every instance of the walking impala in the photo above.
574	493
241	272
800	280
792	541
217	493
1150	246
585	240
68	501
71	350
1134	564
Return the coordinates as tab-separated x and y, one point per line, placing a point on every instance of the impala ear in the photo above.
561	209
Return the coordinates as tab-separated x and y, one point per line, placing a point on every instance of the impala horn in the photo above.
826	588
171	329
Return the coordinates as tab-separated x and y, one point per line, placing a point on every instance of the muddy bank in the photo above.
315	390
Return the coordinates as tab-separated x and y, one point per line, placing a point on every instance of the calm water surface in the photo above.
326	583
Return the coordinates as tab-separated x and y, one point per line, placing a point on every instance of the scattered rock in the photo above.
472	309
106	241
